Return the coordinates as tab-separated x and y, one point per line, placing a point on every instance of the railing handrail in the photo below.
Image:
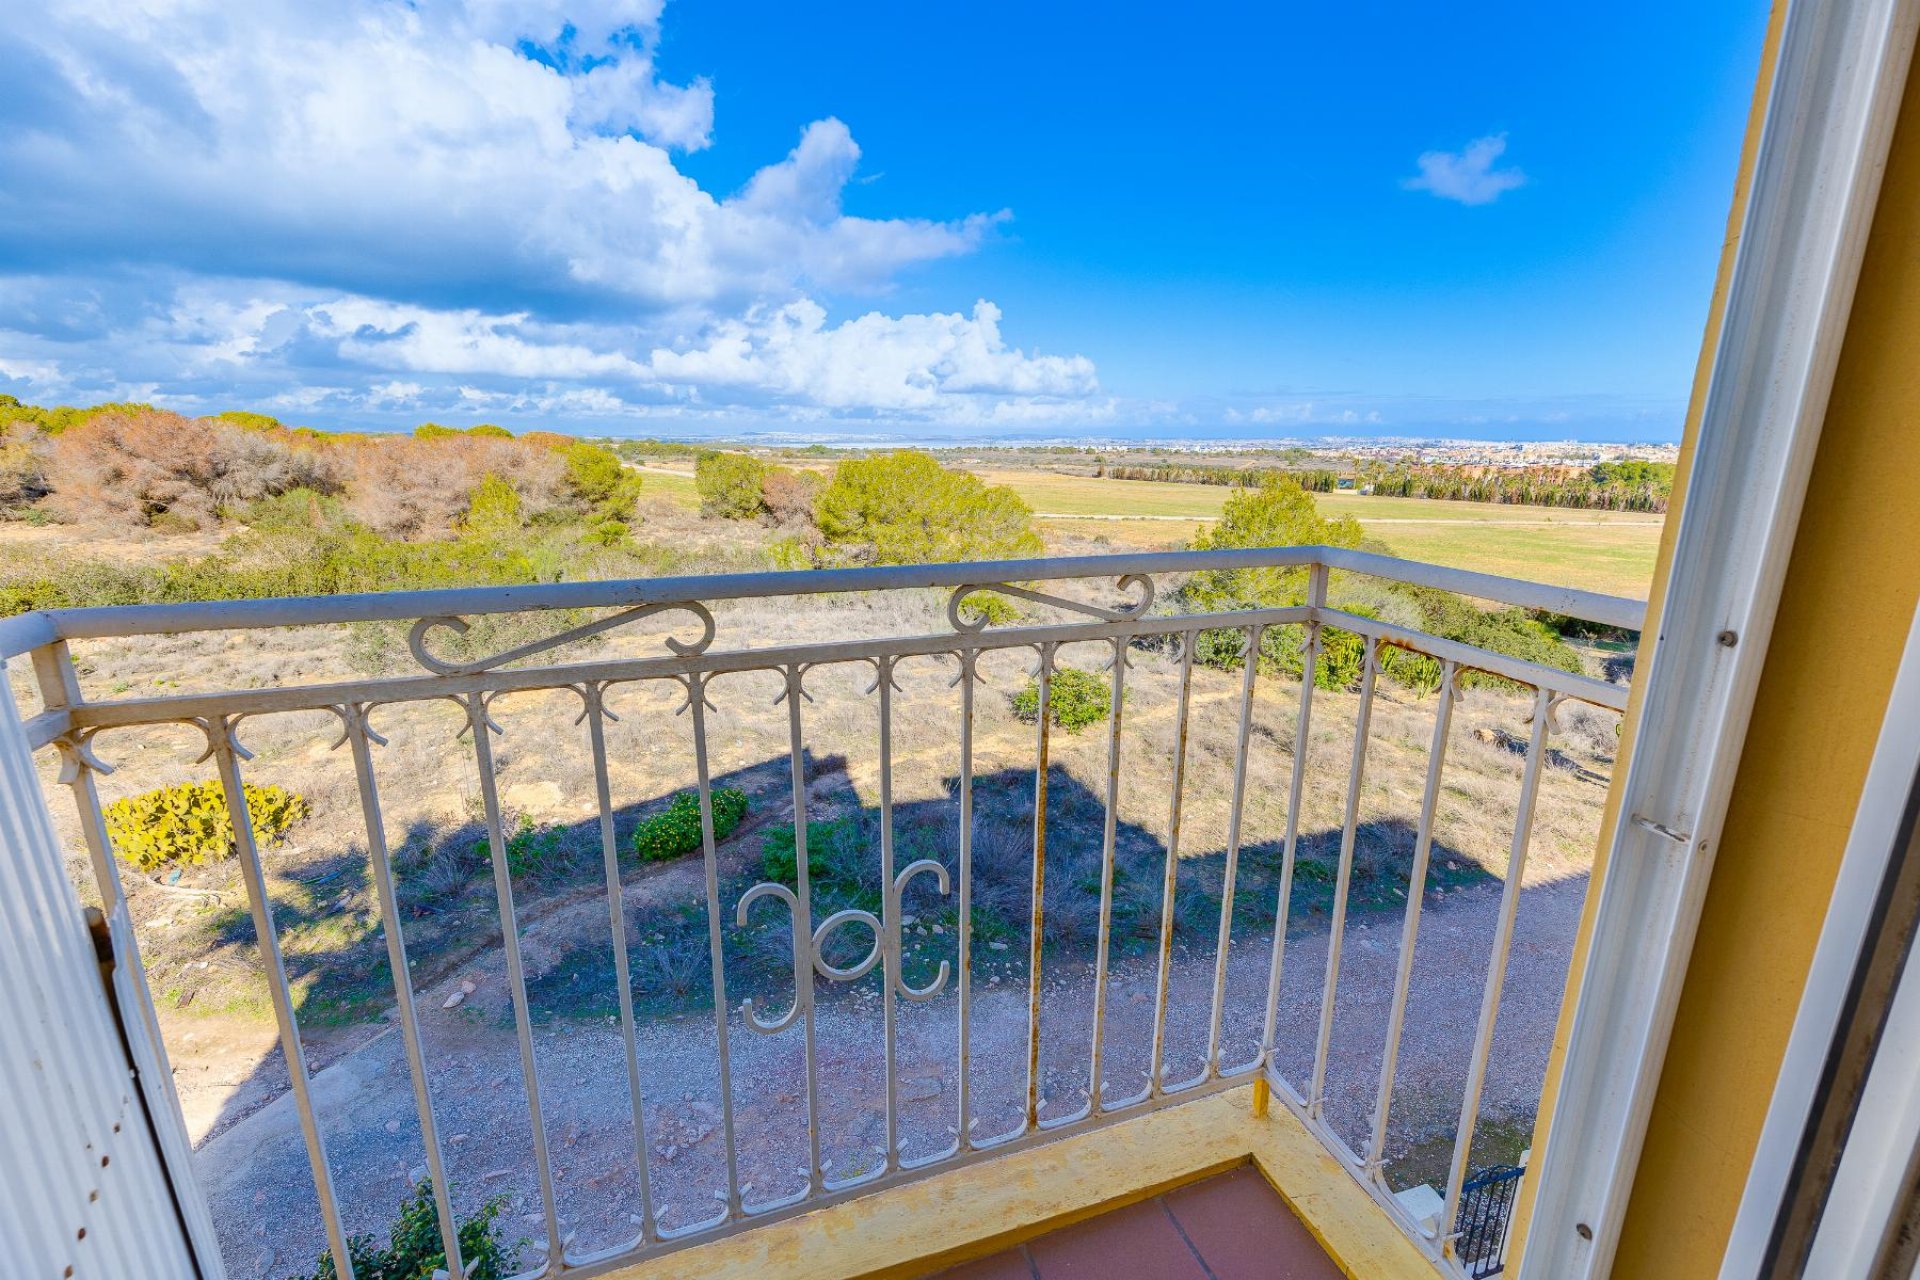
25	632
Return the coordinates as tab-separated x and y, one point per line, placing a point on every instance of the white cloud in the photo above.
1467	175
463	149
261	342
903	363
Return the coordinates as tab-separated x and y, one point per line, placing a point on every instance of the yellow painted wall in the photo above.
1851	590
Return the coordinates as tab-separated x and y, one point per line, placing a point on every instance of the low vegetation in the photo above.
187	824
1277	513
414	1250
1075	699
676	831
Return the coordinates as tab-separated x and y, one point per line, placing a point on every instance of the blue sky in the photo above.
924	221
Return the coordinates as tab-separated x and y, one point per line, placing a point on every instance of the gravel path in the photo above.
257	1179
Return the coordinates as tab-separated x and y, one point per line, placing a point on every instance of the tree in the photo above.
600	482
729	485
1275	513
905	508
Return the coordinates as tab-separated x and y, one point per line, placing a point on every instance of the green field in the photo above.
1594	550
661	482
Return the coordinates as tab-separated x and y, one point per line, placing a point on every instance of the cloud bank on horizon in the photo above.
373	213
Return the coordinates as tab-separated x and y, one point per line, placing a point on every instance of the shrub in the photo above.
493	508
676	831
187	824
834	853
414	1249
600	483
789	495
530	848
905	508
990	607
1075	699
158	468
23	466
61	417
729	485
424	487
250	421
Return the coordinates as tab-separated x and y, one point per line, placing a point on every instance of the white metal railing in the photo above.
69	722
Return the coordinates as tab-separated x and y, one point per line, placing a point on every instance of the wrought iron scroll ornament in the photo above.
810	953
417	638
1137	583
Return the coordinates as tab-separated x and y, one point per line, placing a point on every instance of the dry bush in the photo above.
419	488
789	495
149	466
23	465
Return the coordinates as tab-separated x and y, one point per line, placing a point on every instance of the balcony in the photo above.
1008	893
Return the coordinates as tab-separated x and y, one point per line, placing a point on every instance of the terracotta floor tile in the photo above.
1010	1265
1139	1241
1245	1231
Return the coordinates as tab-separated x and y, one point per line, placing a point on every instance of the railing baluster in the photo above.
482	725
889	940
1044	706
380	858
1410	928
596	714
803	927
710	857
1497	960
969	659
1170	882
1296	786
267	937
1249	677
1343	879
1096	1087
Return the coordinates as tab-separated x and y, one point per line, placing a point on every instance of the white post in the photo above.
87	1194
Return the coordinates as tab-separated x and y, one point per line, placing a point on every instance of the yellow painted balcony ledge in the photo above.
978	1209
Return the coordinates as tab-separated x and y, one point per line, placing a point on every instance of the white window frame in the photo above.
1840	72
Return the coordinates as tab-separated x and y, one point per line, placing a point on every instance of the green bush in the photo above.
676	831
188	824
414	1249
529	849
905	508
1075	700
730	485
601	483
835	849
993	609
